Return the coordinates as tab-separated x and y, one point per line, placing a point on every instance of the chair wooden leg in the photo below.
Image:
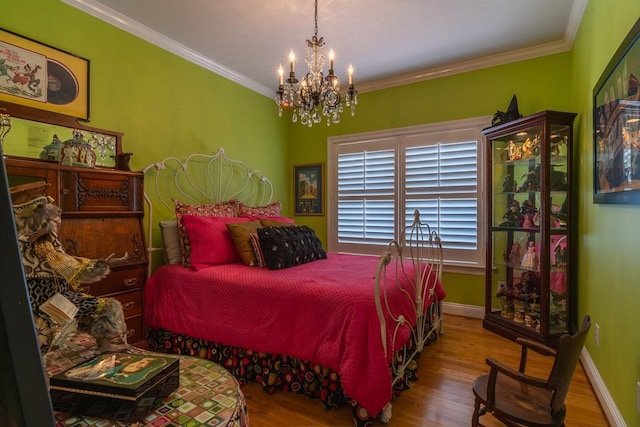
475	421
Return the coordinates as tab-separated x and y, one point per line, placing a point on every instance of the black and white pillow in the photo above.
284	247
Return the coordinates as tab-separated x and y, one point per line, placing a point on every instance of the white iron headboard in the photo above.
199	178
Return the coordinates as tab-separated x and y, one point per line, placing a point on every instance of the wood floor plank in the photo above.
442	396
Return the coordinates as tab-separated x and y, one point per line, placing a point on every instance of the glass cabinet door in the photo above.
527	280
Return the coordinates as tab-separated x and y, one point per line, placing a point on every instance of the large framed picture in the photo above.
616	123
43	77
309	189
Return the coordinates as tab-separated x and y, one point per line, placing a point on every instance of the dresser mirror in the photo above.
38	134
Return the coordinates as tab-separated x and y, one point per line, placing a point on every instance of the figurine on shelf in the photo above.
513	151
509	184
561	255
528	212
52	151
532	180
530	259
527	148
512	216
514	255
535	146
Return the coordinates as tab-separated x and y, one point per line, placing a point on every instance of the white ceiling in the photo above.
389	42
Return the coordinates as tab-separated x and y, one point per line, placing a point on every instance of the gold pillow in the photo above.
240	232
277	221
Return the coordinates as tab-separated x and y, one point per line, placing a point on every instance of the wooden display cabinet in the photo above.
530	289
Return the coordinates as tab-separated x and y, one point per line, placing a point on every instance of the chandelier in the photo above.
315	95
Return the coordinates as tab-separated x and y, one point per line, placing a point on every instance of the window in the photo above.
381	178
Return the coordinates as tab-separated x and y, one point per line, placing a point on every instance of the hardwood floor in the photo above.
442	396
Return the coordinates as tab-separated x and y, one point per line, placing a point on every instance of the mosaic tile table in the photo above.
208	394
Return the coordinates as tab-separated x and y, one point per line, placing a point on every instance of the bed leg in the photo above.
385	415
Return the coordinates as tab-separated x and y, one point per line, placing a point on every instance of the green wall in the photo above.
607	234
163	104
168	106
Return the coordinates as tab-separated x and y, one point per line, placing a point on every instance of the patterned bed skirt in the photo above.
277	372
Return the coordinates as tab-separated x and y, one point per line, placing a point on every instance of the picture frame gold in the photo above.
40	76
308	183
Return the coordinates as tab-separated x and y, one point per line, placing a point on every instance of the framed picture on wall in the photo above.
616	126
308	183
43	77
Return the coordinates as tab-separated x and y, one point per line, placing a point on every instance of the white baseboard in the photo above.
602	393
456	309
614	417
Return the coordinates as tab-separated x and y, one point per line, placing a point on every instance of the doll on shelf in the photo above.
514	255
512	216
530	259
509	184
528	212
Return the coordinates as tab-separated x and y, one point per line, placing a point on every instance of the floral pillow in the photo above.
272	209
223	209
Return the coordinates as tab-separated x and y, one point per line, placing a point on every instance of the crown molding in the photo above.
131	26
125	23
573	24
465	66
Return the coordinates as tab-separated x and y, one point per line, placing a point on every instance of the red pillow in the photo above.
222	209
210	241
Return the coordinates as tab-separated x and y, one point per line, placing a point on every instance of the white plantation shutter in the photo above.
441	182
381	178
366	194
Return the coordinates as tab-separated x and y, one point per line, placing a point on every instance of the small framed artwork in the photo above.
616	123
308	182
43	77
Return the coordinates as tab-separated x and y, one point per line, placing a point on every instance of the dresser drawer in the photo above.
99	192
131	303
135	330
117	281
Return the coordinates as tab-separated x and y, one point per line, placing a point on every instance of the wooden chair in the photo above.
516	398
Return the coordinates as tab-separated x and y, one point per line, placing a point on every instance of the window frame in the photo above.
399	139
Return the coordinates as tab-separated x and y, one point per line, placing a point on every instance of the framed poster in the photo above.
40	76
308	184
616	126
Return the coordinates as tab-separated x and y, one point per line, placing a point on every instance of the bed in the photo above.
340	327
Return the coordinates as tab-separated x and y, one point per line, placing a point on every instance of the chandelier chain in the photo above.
316	19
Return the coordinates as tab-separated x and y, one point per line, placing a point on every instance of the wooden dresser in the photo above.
102	213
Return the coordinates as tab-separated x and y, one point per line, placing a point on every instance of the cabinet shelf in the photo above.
529	281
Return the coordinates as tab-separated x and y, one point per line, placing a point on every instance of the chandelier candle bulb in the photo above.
316	96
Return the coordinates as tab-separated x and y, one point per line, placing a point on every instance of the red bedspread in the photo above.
322	312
